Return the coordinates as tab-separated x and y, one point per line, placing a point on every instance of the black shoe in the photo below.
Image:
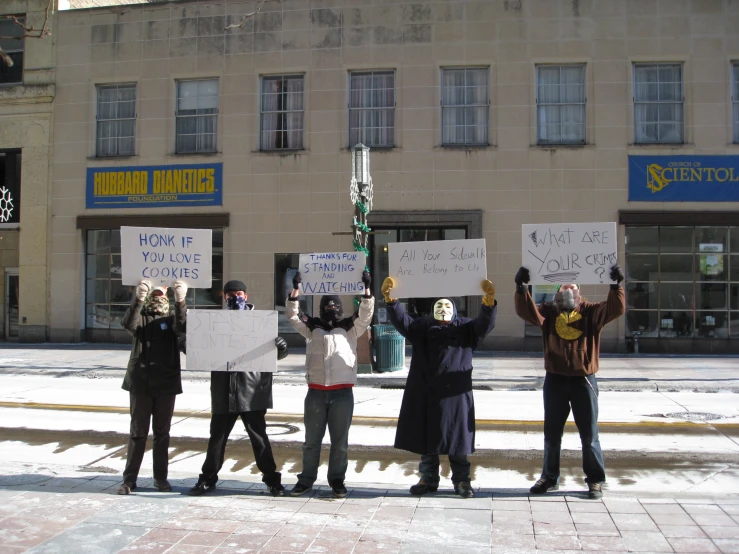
300	489
162	485
595	491
126	488
200	488
464	489
337	485
422	488
543	485
277	490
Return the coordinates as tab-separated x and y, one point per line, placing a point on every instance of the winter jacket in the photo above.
571	340
331	356
437	415
234	392
154	364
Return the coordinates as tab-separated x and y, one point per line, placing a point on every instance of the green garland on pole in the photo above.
362	207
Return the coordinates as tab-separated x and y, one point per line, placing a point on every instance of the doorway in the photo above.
11	303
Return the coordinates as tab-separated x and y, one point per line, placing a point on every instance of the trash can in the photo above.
390	347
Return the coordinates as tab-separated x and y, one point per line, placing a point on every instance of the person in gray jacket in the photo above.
244	394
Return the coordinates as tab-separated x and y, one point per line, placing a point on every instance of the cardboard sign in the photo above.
332	273
437	268
581	253
164	256
231	340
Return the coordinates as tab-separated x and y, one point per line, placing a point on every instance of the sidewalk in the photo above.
493	370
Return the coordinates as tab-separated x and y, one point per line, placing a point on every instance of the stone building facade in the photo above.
481	114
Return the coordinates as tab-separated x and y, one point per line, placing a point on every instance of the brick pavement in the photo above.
81	513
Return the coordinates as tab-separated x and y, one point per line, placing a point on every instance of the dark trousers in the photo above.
429	469
143	409
221	426
581	393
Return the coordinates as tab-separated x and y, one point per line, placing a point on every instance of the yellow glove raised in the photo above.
387	285
489	289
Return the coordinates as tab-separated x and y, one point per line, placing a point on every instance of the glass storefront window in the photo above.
675	267
642	239
676	239
641	296
645	322
642	267
286	266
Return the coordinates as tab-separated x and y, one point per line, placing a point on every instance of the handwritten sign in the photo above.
164	256
332	273
581	253
437	268
231	340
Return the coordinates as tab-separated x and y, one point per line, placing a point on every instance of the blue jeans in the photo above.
581	393
429	469
332	408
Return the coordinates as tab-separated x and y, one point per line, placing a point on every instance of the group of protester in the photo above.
437	414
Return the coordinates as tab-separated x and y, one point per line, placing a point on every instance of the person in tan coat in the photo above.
571	328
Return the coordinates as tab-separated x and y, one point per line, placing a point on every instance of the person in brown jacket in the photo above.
570	329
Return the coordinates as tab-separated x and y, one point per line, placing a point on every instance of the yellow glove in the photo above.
387	285
489	289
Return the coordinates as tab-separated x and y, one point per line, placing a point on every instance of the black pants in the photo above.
429	469
256	426
143	409
581	393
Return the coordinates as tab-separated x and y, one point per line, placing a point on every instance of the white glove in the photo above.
143	289
180	291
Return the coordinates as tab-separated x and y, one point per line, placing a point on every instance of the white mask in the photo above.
568	299
444	310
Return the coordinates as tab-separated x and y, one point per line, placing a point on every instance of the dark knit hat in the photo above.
234	286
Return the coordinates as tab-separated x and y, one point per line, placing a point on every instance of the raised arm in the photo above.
526	308
366	307
615	305
180	307
132	318
485	321
400	320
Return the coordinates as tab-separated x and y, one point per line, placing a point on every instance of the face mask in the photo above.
332	312
444	310
158	305
236	303
568	299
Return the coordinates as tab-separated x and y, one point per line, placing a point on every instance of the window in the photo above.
682	282
735	99
560	104
465	105
13	47
286	266
106	298
658	103
282	113
10	188
372	108
116	120
197	116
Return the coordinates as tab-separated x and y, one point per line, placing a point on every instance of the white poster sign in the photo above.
437	268
581	253
164	256
332	273
231	340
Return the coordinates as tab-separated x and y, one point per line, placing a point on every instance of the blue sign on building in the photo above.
155	186
684	178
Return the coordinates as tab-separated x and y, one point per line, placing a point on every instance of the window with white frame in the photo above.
12	44
465	106
116	120
560	104
372	108
658	103
282	113
197	116
735	99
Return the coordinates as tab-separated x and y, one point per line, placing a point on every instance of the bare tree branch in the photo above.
28	31
247	16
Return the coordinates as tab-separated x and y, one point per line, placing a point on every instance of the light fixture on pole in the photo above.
360	192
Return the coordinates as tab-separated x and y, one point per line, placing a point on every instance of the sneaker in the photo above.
337	485
162	485
595	491
277	490
126	488
300	489
543	485
422	488
464	489
200	488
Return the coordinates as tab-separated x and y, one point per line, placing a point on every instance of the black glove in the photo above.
616	274
366	279
281	348
522	277
297	279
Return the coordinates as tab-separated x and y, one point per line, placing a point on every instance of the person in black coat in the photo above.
437	415
153	377
244	394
